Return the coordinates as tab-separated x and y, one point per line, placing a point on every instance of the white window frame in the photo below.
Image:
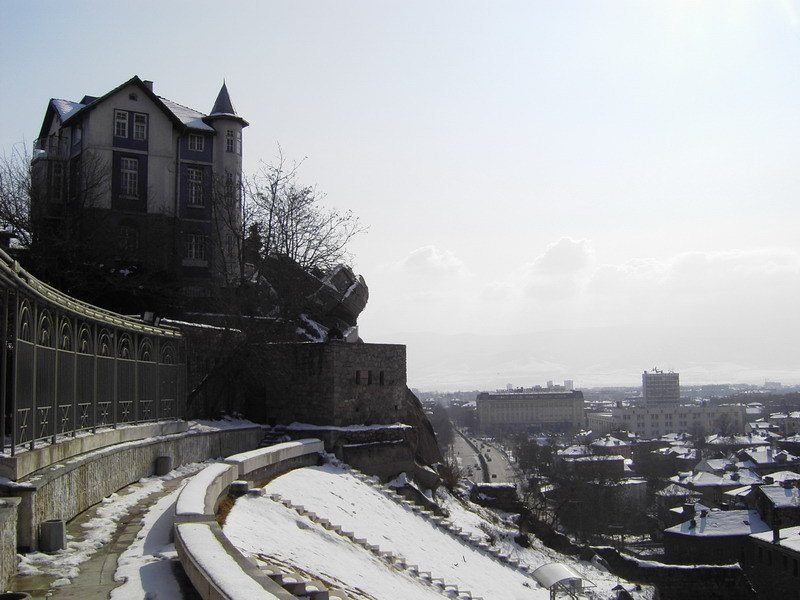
140	126
194	177
197	142
195	246
121	123
129	177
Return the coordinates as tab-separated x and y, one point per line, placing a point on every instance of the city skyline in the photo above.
553	190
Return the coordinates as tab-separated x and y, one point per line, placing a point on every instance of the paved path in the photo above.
96	578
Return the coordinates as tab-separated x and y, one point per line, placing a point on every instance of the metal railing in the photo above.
67	366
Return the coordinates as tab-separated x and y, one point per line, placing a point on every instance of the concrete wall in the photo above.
8	533
63	491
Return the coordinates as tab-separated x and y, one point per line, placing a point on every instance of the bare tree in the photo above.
15	193
292	221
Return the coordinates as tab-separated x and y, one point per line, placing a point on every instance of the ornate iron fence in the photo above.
68	366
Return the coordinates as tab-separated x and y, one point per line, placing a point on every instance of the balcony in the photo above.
54	147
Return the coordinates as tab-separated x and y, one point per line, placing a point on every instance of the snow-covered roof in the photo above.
714	465
789	538
65	108
193	119
705	479
574	451
601	458
781	476
765	456
740	492
609	442
674	490
781	497
553	573
717	523
736	440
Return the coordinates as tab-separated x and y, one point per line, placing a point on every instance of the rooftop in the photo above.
789	538
718	523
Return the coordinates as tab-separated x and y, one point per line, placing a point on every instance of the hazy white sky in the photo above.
553	189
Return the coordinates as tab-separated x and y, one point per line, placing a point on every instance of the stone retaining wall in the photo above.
676	582
66	489
8	533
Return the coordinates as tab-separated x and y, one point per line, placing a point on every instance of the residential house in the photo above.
165	181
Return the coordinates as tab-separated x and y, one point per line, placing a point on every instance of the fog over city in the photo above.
553	190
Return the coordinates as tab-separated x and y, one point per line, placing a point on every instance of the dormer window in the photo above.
197	143
121	123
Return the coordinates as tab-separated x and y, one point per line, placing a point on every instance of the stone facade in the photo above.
333	383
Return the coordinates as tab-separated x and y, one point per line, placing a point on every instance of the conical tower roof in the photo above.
223	107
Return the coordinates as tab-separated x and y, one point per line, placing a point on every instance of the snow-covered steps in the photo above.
299	586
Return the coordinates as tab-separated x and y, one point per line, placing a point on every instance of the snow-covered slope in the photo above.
258	524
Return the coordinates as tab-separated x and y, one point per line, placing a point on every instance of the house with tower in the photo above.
147	181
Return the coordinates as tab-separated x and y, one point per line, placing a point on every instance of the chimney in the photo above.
688	509
776	533
703	513
769	480
148	84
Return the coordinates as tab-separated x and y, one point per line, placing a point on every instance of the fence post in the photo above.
94	381
136	341
14	388
55	337
157	412
4	370
115	386
75	342
33	415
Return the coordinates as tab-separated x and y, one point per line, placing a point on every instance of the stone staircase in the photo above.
447	526
298	584
394	561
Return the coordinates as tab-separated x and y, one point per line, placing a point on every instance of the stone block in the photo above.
52	535
163	465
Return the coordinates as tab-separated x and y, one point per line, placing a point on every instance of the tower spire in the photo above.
223	104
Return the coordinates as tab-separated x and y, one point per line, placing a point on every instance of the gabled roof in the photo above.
674	490
65	108
132	81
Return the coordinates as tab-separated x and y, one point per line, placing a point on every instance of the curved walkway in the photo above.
95	579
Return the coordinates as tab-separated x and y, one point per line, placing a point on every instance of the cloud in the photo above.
560	271
432	261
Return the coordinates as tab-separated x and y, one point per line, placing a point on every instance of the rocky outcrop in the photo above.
422	437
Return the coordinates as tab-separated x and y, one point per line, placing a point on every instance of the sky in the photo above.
553	190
